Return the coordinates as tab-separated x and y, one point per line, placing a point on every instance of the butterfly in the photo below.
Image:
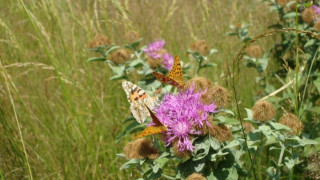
175	75
139	101
154	129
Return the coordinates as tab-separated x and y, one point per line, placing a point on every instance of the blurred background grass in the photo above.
70	134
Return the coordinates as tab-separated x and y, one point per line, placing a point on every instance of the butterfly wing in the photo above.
137	97
176	71
151	130
155	120
164	79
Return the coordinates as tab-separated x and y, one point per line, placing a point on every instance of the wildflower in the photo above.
248	127
167	60
180	154
132	36
282	2
196	176
201	47
120	56
139	149
293	122
219	95
316	9
99	40
155	50
199	83
316	26
154	63
221	132
181	113
254	51
263	111
309	15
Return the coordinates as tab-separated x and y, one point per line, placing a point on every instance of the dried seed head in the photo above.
220	132
99	40
200	84
201	47
139	149
282	2
308	15
196	176
120	56
293	122
248	127
263	111
313	161
154	63
316	26
204	129
219	95
254	51
237	25
180	154
132	36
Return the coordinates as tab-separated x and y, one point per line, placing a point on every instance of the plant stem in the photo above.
280	160
199	67
306	84
17	121
297	63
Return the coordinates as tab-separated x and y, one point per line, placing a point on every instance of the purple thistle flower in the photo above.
181	113
154	51
316	9
167	61
153	48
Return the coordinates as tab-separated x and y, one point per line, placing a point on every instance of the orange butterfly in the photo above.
175	75
154	129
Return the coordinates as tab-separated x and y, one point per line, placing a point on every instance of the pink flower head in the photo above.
154	51
153	48
181	113
316	9
167	61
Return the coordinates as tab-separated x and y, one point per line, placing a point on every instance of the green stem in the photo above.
306	84
199	67
297	63
280	160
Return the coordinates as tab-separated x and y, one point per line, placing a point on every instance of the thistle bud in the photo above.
139	149
200	84
132	36
99	40
263	111
293	122
196	176
120	56
254	51
217	95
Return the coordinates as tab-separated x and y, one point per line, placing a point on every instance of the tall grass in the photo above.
68	111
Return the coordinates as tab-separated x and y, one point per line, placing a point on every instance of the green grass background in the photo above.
69	126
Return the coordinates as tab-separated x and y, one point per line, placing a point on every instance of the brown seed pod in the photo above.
217	95
154	63
200	84
196	176
120	56
220	132
308	15
316	26
293	122
248	127
282	3
132	36
99	40
180	154
263	111
254	51
139	149
201	47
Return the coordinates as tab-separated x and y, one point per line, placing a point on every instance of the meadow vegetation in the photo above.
60	115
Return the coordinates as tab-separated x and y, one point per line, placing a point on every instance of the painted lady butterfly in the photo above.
158	127
138	100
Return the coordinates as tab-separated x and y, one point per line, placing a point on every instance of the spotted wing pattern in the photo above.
176	71
175	77
155	129
138	100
